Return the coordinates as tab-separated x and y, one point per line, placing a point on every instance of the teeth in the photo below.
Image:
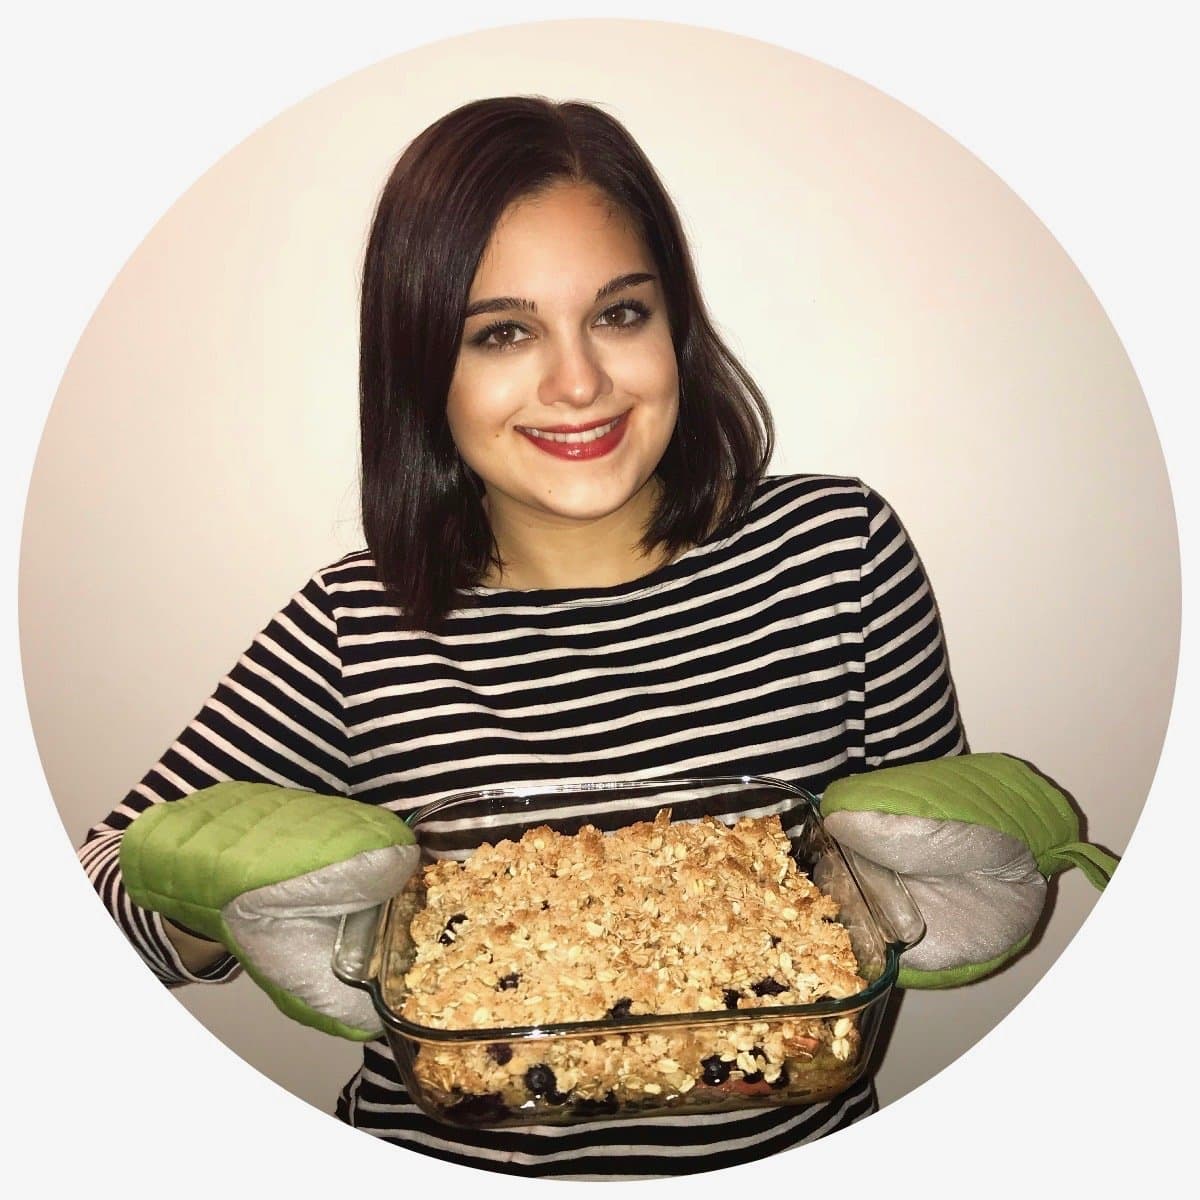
578	439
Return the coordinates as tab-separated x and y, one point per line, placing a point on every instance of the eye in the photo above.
625	315
500	335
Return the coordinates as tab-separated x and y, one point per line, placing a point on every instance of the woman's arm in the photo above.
277	717
195	952
910	709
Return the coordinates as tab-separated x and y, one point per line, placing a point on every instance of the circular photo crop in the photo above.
603	403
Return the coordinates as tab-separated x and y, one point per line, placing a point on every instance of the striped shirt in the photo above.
805	645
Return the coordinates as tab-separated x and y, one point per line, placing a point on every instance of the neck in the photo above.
540	551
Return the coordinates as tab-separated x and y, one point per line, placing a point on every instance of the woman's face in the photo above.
566	389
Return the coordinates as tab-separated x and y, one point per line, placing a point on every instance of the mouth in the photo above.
578	441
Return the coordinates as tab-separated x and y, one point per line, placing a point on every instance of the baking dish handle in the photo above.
892	905
355	961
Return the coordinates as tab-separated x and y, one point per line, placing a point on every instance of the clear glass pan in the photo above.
827	1043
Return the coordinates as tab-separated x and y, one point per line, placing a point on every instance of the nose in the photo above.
574	376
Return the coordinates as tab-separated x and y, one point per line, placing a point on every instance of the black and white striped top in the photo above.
805	646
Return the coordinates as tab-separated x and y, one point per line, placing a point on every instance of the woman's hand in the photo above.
268	873
974	838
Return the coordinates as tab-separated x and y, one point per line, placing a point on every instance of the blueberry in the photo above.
732	996
500	1053
768	987
755	1076
541	1084
715	1071
621	1008
783	1079
507	982
448	934
540	1081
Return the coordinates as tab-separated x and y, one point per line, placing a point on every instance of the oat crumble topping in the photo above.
657	917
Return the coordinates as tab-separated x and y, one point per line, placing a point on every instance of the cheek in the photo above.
470	408
470	438
672	414
455	421
662	372
665	390
484	393
648	371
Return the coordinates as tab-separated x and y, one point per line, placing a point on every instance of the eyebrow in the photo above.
508	303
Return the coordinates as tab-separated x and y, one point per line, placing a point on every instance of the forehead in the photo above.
570	234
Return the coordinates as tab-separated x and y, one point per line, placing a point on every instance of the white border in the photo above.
114	109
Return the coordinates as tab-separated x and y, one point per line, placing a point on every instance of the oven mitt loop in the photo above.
269	872
974	837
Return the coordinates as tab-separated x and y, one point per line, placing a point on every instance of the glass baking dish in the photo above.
762	1054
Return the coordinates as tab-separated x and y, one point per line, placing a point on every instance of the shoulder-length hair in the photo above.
422	507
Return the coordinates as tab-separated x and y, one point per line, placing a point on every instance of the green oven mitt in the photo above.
974	837
269	872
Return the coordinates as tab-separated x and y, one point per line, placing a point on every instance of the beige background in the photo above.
908	318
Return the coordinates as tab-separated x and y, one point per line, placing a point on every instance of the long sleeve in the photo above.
910	709
276	717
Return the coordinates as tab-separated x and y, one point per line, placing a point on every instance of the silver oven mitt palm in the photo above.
269	872
974	838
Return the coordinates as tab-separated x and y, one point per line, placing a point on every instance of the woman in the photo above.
575	569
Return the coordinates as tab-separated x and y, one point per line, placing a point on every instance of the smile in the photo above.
581	441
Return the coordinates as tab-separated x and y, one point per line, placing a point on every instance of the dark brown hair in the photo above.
422	508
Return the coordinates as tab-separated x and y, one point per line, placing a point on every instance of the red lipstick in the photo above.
577	442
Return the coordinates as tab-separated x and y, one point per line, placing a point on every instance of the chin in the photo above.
590	502
582	511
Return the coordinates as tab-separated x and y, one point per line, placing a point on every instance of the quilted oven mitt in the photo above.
269	872
974	837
